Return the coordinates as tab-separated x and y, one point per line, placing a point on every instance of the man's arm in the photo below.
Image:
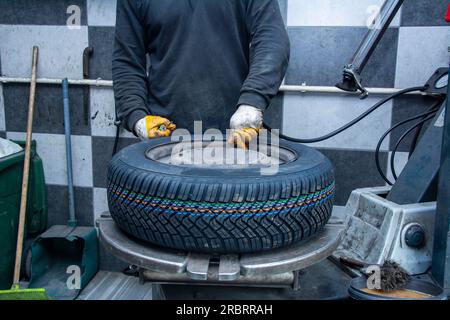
269	58
269	53
129	64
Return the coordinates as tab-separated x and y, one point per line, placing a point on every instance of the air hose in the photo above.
353	122
394	174
431	112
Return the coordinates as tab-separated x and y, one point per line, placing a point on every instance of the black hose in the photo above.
380	142
415	140
351	123
394	174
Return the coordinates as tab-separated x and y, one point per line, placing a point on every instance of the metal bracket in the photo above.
229	267
197	266
352	82
438	83
351	78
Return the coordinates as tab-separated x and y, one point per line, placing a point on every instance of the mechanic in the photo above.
219	62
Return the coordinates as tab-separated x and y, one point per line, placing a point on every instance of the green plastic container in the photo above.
11	171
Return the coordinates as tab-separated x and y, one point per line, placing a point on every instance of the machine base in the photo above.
378	230
278	268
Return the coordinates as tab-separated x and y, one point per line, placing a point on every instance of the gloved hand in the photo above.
246	124
152	127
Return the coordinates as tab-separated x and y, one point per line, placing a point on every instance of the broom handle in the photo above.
26	170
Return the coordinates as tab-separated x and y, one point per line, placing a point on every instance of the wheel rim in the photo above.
219	155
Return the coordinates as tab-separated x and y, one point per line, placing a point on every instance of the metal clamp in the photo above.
352	82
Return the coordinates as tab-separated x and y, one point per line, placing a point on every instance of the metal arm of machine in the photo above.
441	243
352	81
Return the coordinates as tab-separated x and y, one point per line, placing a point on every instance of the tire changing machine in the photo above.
408	223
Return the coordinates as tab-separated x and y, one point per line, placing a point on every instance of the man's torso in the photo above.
198	59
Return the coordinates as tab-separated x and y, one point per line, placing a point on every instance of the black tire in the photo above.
220	210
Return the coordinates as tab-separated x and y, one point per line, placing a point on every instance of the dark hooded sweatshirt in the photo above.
207	57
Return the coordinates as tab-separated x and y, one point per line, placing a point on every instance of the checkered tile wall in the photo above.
324	34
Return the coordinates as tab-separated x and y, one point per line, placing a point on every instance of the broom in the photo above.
16	293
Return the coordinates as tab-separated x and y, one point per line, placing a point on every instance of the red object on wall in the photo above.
447	16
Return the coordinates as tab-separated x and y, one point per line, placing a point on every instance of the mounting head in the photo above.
352	82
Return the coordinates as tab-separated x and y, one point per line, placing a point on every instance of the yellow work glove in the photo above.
242	137
246	124
152	127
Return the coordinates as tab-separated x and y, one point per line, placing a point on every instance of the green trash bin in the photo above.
11	172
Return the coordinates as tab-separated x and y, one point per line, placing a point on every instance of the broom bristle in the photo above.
24	294
393	276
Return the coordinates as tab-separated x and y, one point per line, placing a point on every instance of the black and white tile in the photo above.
103	112
100	202
52	149
101	13
421	50
318	55
315	115
60	50
424	13
354	169
49	114
342	13
58	209
48	12
101	39
102	149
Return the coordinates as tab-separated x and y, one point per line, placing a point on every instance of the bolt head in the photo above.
415	236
